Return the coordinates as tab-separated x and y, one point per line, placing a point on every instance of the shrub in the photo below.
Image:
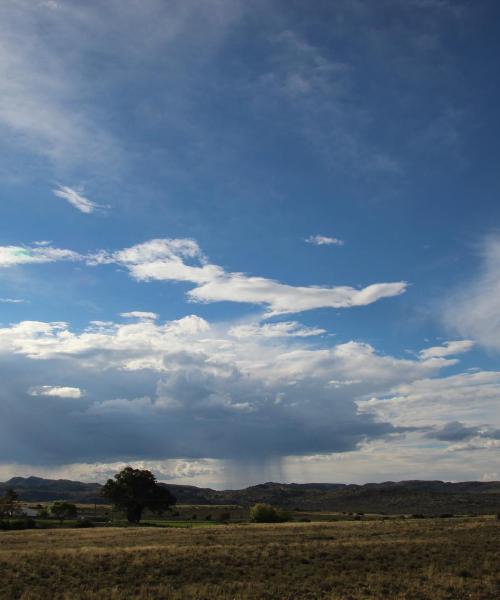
17	524
266	513
224	516
84	524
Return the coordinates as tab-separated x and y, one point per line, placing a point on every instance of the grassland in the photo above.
433	559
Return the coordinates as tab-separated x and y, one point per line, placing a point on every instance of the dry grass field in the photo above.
433	559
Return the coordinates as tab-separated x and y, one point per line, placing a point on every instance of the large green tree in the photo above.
134	490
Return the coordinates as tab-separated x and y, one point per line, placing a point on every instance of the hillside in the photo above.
426	497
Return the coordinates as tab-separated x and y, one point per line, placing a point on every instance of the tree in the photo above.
62	510
133	490
9	503
266	513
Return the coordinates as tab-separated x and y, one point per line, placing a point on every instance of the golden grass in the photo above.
434	559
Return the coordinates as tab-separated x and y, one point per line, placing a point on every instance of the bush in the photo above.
17	524
266	513
224	517
85	523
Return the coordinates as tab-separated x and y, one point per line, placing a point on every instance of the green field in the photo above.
433	559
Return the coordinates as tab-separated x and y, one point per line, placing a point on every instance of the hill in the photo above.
425	497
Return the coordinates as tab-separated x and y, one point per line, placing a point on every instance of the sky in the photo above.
250	241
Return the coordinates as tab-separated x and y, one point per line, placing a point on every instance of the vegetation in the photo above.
9	503
62	510
266	513
403	559
134	490
405	497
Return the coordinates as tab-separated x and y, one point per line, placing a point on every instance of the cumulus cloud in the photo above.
56	391
182	260
473	309
76	199
190	389
324	240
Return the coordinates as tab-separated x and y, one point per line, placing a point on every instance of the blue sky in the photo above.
250	241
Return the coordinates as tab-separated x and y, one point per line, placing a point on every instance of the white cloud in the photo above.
447	349
56	391
476	443
272	330
11	256
139	314
473	309
12	300
76	199
323	240
467	397
182	260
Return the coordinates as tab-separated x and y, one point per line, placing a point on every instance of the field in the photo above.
433	559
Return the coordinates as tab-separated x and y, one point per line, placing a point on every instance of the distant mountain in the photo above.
36	489
403	497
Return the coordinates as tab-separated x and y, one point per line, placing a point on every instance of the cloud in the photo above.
11	256
479	443
139	314
182	260
272	330
447	349
190	390
323	240
76	199
473	309
42	107
56	391
457	431
53	106
187	388
12	300
471	398
317	87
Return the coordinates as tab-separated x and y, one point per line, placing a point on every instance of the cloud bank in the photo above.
193	390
